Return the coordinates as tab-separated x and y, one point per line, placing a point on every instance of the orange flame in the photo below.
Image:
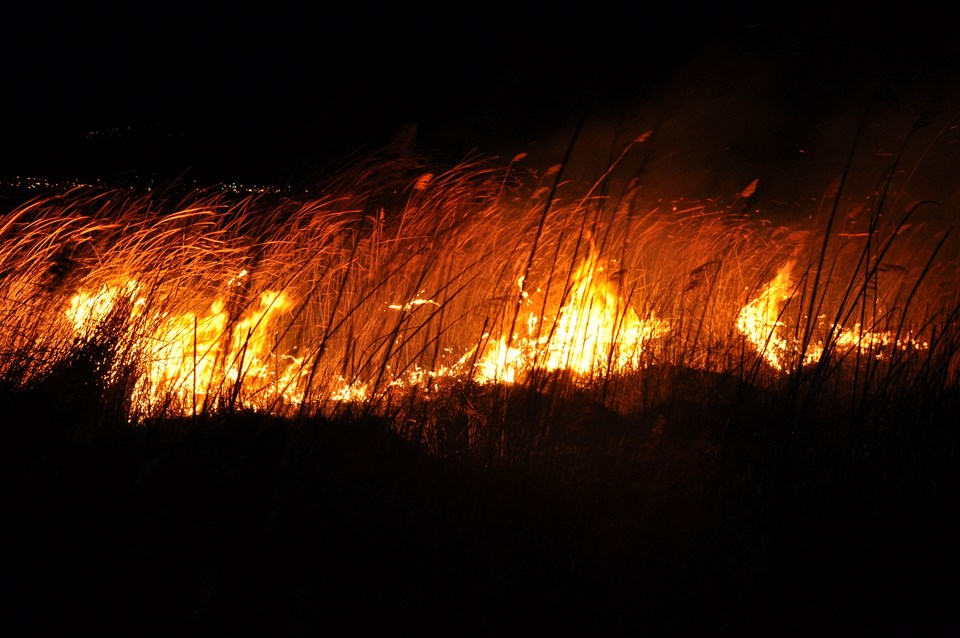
595	331
760	322
189	358
759	319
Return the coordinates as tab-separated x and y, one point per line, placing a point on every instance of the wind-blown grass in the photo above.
338	299
595	360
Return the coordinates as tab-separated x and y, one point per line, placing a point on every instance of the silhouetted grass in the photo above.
342	457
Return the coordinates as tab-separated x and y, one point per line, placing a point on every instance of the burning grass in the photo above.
663	403
478	274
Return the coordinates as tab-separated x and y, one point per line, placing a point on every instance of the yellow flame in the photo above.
193	357
595	331
87	309
190	358
759	319
760	322
413	303
194	361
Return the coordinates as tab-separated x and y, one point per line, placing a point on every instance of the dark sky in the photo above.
217	91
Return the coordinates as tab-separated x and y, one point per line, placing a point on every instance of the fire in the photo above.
303	305
760	321
195	357
595	331
190	359
87	308
197	360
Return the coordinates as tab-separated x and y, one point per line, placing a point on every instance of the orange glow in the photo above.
468	277
760	321
189	357
192	359
595	332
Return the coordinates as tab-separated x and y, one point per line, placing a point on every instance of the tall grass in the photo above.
680	406
401	283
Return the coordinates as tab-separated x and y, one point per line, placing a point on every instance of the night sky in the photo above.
272	94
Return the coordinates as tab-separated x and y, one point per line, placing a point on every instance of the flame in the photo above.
87	309
595	331
760	321
198	356
189	358
192	361
348	308
413	303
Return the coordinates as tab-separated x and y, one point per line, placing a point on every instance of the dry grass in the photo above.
389	287
255	370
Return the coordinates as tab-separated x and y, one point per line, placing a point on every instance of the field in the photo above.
483	399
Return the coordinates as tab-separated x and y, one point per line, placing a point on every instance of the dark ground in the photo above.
256	526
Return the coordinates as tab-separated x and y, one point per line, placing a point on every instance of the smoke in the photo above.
786	110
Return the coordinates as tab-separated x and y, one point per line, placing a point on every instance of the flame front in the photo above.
595	332
191	358
761	322
307	305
